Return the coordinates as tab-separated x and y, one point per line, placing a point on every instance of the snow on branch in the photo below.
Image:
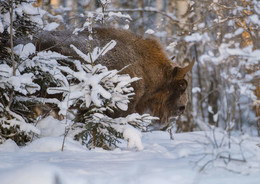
22	83
17	120
92	57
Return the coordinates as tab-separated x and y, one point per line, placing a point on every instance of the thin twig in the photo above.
232	159
64	138
8	136
66	128
12	37
12	50
146	10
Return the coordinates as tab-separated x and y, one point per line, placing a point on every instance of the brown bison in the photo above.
161	91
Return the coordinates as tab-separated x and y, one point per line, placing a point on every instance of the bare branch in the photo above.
147	9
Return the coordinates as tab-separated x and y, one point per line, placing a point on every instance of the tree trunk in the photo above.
141	14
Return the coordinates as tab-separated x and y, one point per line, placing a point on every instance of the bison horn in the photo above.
182	71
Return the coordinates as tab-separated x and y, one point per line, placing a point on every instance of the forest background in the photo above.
223	37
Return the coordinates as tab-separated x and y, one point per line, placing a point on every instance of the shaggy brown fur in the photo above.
158	92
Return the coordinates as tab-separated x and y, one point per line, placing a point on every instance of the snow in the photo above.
51	26
119	15
23	51
196	90
81	54
161	161
52	144
97	83
134	137
149	31
17	121
50	127
215	117
22	83
91	58
105	1
1	26
210	109
197	37
171	46
9	146
254	18
35	14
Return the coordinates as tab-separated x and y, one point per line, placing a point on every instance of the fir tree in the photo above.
95	91
36	84
18	19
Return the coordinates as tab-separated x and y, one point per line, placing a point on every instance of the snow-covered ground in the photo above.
162	161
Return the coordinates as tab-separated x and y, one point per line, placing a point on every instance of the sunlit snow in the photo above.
162	161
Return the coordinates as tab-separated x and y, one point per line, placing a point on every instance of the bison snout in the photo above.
181	110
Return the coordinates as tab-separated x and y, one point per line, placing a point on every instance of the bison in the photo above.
161	91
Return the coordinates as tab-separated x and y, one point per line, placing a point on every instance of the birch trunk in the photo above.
170	10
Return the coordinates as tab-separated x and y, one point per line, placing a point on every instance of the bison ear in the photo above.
175	71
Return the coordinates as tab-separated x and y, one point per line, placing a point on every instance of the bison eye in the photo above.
182	85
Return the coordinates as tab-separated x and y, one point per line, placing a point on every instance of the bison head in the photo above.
170	98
